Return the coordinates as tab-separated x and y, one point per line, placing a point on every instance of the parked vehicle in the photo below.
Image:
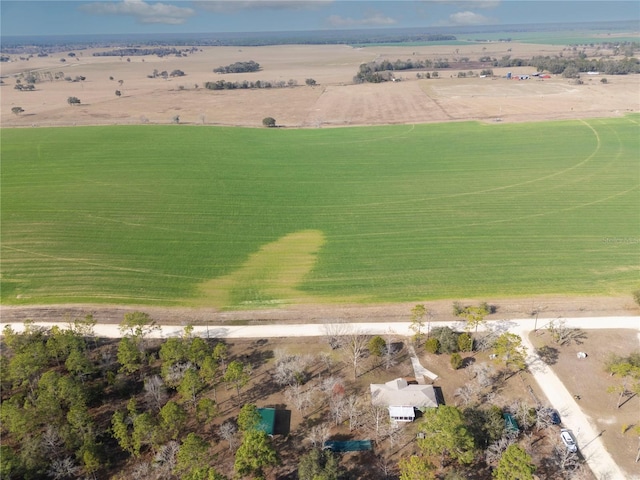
548	414
569	440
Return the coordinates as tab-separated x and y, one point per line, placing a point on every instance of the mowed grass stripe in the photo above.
150	214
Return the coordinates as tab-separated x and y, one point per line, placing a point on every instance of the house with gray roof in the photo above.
402	399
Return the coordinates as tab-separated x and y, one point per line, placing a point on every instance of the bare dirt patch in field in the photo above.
334	101
587	379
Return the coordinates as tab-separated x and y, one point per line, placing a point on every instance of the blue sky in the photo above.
52	17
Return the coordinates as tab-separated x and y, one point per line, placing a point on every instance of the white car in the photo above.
569	440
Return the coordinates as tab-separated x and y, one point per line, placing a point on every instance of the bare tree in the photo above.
354	348
52	443
141	471
299	396
386	466
523	413
390	351
494	452
228	432
544	418
536	310
377	419
155	392
353	408
396	434
328	386
333	332
63	468
566	460
337	406
319	434
165	458
327	361
173	374
290	369
484	374
107	359
563	335
466	393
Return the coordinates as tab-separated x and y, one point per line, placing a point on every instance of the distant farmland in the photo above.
237	217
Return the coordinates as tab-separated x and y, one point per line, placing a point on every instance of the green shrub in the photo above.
465	342
377	346
636	296
456	361
432	345
458	308
448	339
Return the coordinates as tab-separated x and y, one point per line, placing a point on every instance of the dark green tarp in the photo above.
348	445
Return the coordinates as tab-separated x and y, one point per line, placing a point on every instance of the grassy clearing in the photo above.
235	217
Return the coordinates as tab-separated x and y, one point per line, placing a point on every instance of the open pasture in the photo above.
237	217
334	101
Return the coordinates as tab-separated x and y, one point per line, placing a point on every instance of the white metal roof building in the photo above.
402	398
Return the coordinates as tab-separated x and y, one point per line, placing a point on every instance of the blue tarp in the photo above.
348	445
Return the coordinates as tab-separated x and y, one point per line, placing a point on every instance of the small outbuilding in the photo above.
267	420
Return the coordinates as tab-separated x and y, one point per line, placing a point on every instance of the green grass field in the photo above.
237	217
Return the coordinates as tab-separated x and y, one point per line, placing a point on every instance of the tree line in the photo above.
239	67
246	84
557	64
138	52
376	72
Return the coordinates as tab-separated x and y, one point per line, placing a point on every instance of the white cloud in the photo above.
143	12
226	6
469	18
468	3
369	20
